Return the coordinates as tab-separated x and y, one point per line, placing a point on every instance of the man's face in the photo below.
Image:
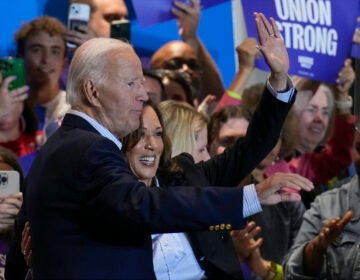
201	153
105	12
228	134
181	57
123	94
44	58
154	89
144	157
174	91
314	121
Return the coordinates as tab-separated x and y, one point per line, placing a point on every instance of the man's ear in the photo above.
91	93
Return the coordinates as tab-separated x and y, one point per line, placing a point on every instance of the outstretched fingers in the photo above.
345	220
298	182
263	27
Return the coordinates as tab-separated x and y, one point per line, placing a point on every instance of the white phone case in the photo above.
9	182
79	14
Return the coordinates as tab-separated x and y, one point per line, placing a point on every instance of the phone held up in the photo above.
79	14
9	182
13	66
121	29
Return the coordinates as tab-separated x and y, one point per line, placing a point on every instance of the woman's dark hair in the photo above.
219	118
166	165
155	74
179	77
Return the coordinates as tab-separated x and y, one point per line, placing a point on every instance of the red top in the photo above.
24	145
332	160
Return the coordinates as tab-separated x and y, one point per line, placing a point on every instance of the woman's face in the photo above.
174	91
314	121
201	153
144	158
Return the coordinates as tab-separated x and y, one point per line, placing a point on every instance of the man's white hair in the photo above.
92	60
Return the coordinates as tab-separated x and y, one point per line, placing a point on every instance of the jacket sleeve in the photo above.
229	168
116	200
16	267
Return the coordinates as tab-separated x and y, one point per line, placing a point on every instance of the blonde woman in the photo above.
187	129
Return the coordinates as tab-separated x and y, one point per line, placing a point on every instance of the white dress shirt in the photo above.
173	257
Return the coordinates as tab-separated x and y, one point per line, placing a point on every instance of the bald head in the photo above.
179	56
173	49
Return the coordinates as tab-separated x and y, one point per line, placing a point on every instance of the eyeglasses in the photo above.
178	62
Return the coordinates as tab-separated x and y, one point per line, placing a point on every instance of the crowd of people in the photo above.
129	172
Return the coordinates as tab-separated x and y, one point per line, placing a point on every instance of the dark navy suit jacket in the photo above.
91	218
214	249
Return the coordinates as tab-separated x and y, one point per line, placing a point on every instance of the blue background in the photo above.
215	30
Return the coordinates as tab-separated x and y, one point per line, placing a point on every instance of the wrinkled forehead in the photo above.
124	58
43	38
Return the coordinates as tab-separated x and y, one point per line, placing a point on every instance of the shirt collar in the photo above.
99	127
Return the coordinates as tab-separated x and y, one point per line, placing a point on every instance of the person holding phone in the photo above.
99	217
102	13
9	98
10	203
190	56
18	121
41	45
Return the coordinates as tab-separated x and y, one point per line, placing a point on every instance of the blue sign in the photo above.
317	33
152	12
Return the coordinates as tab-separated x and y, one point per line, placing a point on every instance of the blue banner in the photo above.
317	33
150	12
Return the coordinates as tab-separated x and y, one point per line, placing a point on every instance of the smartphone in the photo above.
9	182
79	14
13	66
121	29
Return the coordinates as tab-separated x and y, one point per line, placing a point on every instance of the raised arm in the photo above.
9	98
272	47
248	53
188	20
315	250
